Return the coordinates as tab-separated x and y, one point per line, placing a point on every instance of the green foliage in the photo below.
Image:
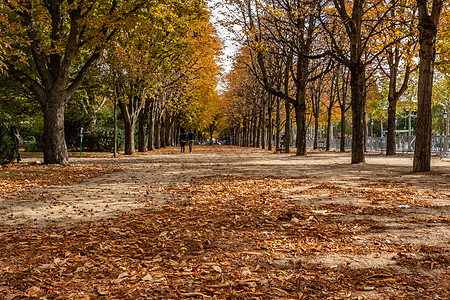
16	103
7	153
32	133
101	136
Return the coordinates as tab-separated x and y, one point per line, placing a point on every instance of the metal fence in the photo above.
404	144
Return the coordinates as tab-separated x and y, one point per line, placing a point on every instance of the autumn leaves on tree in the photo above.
365	39
300	63
146	48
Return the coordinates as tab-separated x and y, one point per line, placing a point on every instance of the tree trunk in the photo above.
316	131
287	128
263	126
300	106
143	123
151	129
130	118
254	128
157	132
392	109
129	137
300	114
247	132
162	132
343	127
259	129
55	148
427	40
357	82
278	124
330	110
270	126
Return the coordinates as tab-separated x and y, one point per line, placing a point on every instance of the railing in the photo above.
404	144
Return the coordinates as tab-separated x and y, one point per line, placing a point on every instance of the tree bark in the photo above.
316	130
263	126
358	85
157	133
392	109
270	125
55	148
343	128
287	128
254	128
329	113
300	117
151	129
143	123
300	103
427	40
259	129
129	138
278	124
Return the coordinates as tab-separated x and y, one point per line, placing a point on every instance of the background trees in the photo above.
140	47
158	60
367	38
50	47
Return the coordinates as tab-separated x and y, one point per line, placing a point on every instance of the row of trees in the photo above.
336	54
154	60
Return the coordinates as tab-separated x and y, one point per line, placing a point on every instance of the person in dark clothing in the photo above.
190	138
183	139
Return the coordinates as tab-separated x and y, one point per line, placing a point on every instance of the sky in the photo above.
217	12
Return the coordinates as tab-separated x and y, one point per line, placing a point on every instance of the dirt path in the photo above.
393	221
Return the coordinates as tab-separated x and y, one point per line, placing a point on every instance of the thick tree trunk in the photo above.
287	128
143	123
157	133
259	129
270	127
247	132
329	128
254	129
342	145
427	39
278	124
55	148
129	137
300	114
392	109
300	106
316	131
162	132
130	111
151	129
357	83
263	127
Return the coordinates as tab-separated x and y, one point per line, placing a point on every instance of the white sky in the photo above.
217	13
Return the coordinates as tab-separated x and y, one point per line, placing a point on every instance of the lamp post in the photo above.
371	127
445	116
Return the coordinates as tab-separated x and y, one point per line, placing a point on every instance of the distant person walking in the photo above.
191	138
183	139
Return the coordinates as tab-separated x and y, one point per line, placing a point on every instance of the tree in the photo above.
397	61
64	39
293	25
361	25
429	14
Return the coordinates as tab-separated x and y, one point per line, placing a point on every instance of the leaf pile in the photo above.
223	237
15	179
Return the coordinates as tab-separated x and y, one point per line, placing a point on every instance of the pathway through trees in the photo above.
225	222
